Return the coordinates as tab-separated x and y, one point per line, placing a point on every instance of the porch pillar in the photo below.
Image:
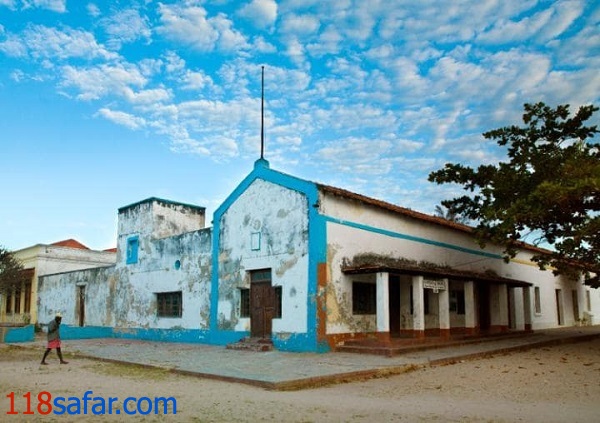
444	310
499	308
383	305
527	308
470	309
418	307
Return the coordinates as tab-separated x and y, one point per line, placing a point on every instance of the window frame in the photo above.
166	307
133	246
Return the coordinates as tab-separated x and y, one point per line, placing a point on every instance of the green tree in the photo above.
11	272
548	188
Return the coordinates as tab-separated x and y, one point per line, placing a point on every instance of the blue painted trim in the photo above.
18	334
85	332
411	237
317	250
133	246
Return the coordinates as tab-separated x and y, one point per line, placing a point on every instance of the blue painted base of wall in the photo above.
17	334
295	342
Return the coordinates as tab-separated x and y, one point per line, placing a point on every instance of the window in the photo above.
27	306
588	301
277	314
457	301
18	301
537	302
168	304
244	302
8	302
133	244
364	296
426	301
263	275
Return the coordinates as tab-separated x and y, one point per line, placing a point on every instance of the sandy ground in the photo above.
556	384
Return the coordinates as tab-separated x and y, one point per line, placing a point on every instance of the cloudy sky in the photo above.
105	103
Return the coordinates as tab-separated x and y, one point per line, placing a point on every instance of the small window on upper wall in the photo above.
133	245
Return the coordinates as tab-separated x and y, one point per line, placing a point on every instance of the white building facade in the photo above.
309	267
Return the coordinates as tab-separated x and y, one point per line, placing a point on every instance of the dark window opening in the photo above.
457	301
277	313
364	298
27	306
169	304
426	301
9	303
244	302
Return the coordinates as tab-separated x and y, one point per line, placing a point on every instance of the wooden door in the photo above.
262	307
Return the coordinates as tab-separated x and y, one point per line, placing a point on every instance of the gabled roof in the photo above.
70	243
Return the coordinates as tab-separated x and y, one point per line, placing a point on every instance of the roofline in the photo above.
161	200
439	272
417	215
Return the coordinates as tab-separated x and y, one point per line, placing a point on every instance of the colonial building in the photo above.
308	266
20	305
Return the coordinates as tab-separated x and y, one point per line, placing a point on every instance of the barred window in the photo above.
169	304
244	302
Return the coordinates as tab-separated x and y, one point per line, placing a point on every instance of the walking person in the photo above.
54	339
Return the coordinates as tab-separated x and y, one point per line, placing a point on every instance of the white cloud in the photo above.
96	82
126	26
191	26
54	5
41	42
122	118
11	4
262	13
93	10
300	24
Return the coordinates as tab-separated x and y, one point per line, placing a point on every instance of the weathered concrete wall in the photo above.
124	296
46	260
355	229
266	227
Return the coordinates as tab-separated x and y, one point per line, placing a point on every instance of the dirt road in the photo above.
555	384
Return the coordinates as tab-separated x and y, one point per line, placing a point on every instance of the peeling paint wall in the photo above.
266	227
124	295
354	228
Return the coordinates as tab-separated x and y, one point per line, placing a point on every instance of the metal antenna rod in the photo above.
262	116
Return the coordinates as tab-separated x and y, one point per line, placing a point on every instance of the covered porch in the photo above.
417	305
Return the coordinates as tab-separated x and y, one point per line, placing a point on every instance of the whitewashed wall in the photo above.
279	217
345	241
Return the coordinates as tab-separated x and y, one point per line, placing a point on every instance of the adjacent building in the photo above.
308	266
20	305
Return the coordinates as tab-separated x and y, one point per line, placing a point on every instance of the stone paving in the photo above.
284	370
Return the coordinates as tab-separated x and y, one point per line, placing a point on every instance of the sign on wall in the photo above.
435	284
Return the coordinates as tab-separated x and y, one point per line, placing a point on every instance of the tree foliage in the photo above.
11	272
548	188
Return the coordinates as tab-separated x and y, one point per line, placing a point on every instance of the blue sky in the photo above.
105	103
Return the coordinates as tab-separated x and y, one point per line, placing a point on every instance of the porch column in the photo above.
383	305
527	308
444	310
470	310
418	307
499	308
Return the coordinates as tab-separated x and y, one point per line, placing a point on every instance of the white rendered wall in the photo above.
276	219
